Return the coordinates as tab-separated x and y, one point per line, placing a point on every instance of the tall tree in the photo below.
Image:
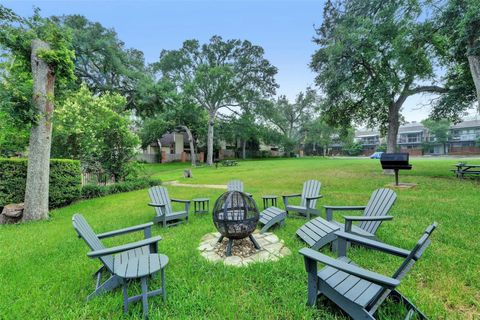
290	118
105	64
240	128
219	74
320	133
179	115
373	55
458	24
439	132
44	55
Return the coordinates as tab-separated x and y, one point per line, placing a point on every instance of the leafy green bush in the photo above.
95	191
90	191
381	148
65	181
353	149
96	130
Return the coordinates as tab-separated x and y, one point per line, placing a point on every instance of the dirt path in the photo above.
209	186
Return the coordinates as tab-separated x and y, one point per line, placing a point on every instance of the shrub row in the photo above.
65	181
95	191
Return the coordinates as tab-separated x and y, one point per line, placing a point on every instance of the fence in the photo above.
149	157
96	178
464	150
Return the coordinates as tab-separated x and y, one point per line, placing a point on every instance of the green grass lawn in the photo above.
45	273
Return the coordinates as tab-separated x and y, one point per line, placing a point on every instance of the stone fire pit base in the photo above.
243	251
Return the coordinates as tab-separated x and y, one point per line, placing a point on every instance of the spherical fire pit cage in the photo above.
235	215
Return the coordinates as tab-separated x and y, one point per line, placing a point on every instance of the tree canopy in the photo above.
104	64
290	119
458	25
218	74
16	36
439	132
372	56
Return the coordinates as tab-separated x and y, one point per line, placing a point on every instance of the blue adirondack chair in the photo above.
94	242
358	291
162	203
236	185
374	213
308	199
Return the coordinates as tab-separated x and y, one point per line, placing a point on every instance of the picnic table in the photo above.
463	169
229	163
225	163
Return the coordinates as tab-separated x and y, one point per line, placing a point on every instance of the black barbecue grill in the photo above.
396	162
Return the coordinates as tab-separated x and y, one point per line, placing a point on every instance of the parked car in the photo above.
376	155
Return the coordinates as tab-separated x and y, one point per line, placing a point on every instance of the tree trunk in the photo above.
474	63
159	150
244	146
193	157
392	136
211	123
394	123
38	172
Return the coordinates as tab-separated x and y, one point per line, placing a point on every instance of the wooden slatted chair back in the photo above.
235	185
85	232
311	188
159	195
379	205
407	264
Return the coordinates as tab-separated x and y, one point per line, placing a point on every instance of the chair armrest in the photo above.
350	219
368	218
313	198
122	248
345	208
178	200
292	195
373	244
185	202
161	205
360	272
329	210
124	230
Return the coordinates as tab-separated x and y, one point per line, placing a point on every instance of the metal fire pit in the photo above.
235	215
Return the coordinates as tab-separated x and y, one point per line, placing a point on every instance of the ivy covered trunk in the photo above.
474	63
244	149
38	172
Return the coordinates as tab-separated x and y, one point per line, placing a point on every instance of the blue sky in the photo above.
283	28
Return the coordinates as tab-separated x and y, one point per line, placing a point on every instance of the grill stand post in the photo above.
396	177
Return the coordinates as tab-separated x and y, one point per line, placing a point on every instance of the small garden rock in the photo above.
11	213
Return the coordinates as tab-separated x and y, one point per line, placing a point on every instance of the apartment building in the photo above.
463	139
